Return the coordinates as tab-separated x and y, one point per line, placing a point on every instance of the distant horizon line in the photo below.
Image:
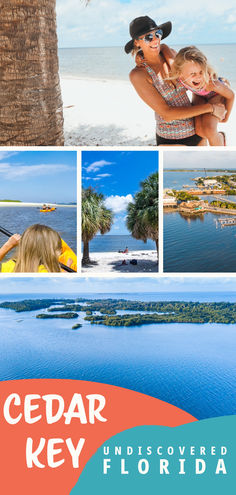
131	292
122	46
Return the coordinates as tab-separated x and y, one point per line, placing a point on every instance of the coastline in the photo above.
110	262
102	112
22	204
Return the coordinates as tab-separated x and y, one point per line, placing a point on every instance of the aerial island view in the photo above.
200	213
183	330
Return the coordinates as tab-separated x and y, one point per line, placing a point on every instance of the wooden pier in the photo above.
227	222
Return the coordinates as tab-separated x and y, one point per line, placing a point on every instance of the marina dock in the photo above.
225	222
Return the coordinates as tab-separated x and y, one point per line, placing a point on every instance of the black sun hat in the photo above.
142	25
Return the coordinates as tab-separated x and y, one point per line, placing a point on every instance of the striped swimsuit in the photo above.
174	97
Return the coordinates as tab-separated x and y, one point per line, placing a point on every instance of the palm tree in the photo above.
31	105
142	218
95	218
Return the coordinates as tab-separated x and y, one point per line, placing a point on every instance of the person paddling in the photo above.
39	249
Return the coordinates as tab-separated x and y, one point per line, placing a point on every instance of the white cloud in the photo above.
18	171
104	175
95	166
118	203
91	178
53	285
106	22
7	154
231	19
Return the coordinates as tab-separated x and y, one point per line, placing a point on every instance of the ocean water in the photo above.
189	365
106	243
113	63
176	180
197	243
17	219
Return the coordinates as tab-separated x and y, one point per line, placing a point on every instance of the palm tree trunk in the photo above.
86	259
156	241
31	105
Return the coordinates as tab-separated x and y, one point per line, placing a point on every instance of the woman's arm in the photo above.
223	90
12	242
168	53
151	97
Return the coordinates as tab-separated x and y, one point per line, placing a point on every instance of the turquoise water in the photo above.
189	365
17	219
113	63
106	243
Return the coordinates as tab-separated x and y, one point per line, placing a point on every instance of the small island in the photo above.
33	304
77	325
66	316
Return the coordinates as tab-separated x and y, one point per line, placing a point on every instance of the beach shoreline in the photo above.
35	205
107	112
110	262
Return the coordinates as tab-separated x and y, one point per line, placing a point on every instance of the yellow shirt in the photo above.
9	267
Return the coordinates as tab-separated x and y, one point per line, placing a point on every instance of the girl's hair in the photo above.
39	245
136	50
191	54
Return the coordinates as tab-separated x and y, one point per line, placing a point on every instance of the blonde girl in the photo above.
190	67
38	250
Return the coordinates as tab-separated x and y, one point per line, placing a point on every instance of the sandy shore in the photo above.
35	205
112	262
110	113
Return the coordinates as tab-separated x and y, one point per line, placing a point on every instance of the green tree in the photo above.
185	196
95	218
142	218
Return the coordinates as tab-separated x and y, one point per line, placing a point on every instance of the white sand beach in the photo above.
108	262
110	113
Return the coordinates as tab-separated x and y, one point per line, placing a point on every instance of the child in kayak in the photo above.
191	69
40	249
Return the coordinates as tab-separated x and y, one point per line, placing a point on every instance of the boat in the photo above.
47	210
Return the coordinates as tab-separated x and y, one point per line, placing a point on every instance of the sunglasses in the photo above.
149	37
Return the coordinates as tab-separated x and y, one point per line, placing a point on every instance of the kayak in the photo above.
67	254
47	210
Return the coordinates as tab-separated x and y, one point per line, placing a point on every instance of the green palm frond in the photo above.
142	218
95	216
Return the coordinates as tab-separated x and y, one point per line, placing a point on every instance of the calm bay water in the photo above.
176	180
113	63
189	365
106	243
197	243
17	219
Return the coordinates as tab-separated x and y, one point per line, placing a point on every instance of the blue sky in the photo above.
117	175
54	286
202	159
38	176
105	22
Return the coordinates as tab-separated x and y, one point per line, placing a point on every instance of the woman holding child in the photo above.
158	83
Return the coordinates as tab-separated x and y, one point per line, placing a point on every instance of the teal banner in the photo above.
196	458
